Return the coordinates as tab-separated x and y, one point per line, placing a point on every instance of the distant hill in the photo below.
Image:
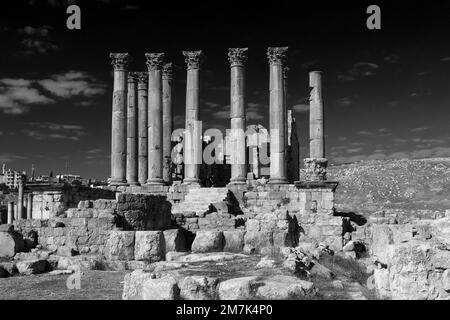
419	186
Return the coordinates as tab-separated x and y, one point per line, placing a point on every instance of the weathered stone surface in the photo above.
233	240
258	239
237	288
208	241
198	288
321	271
30	267
140	285
9	267
120	245
175	256
285	287
265	263
10	244
143	212
80	262
66	251
174	240
149	246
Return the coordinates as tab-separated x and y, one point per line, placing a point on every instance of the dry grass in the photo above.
95	285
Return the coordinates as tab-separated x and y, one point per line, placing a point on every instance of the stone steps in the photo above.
198	200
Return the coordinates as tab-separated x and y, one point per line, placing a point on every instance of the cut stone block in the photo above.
233	240
149	246
174	239
120	245
208	241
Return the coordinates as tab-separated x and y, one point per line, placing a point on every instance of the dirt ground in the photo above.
95	285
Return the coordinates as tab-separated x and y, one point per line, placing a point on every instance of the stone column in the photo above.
20	201
120	62
10	212
192	141
316	164
286	125
142	127
167	77
30	206
132	130
237	58
277	57
154	134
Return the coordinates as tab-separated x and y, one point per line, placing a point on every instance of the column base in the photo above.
134	184
155	181
278	180
118	183
315	169
238	180
191	182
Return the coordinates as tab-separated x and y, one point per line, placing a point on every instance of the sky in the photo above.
386	92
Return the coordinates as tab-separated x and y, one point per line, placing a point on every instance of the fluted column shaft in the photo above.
10	212
237	58
30	206
20	201
316	164
142	127
192	139
154	134
119	119
132	130
317	145
167	121
277	108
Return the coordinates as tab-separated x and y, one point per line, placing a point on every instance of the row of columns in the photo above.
142	120
16	212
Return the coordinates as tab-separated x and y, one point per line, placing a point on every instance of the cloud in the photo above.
359	70
256	112
392	58
37	40
345	101
303	107
18	95
10	157
73	83
179	121
94	151
309	64
50	130
419	129
365	133
445	59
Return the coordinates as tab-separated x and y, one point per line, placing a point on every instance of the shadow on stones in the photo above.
359	219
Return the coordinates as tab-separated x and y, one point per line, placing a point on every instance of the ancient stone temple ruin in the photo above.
156	204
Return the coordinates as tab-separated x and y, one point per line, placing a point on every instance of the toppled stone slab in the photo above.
120	245
237	288
140	285
78	263
30	267
211	257
149	246
284	287
10	244
198	288
208	241
9	268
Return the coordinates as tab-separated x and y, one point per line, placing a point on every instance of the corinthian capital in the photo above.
193	59
155	61
142	79
168	71
237	56
120	61
132	77
277	55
